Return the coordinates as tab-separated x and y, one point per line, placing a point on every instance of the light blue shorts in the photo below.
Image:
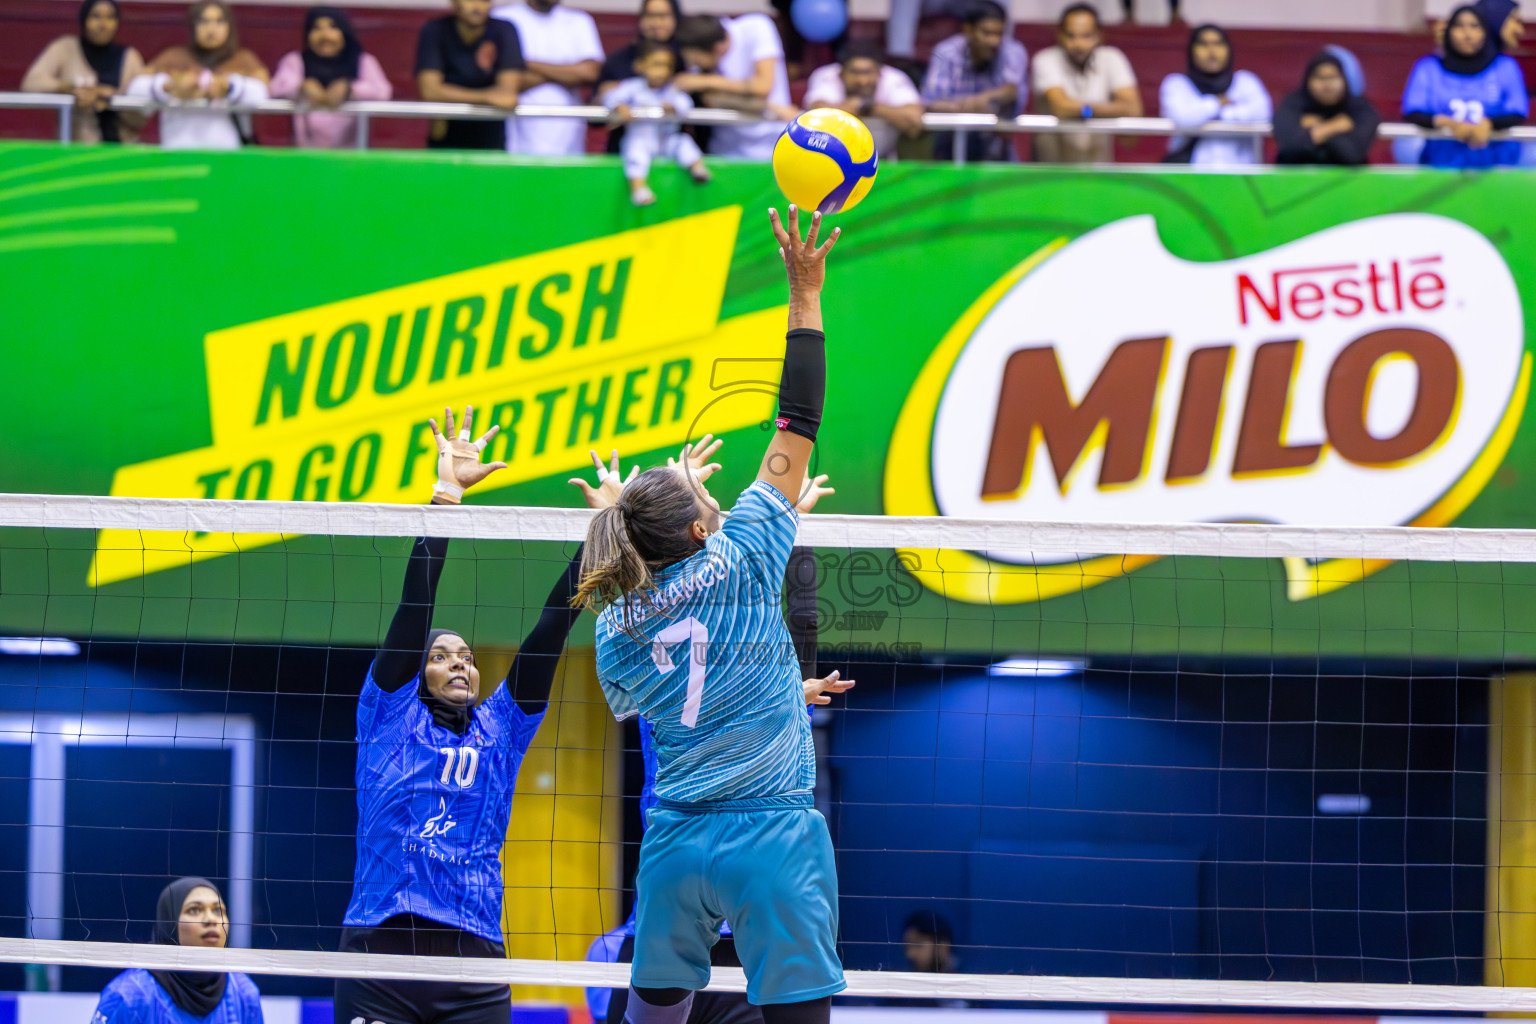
766	866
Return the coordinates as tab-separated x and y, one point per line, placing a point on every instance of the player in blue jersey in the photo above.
190	912
617	946
1471	89
691	636
435	775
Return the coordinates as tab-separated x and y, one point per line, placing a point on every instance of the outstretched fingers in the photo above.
485	438
826	246
448	420
778	228
467	430
810	238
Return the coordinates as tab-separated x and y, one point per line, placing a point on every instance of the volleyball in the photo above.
825	160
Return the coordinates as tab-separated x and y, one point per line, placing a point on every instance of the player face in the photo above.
325	39
1210	53
1079	36
451	674
656	68
1465	35
860	76
657	22
986	38
1326	85
203	921
212	29
101	24
472	13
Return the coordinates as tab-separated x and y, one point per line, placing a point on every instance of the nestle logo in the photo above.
1343	290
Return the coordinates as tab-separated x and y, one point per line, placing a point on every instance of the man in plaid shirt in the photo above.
980	71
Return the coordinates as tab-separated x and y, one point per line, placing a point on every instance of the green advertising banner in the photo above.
1307	347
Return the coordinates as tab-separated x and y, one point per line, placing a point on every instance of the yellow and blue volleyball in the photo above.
825	160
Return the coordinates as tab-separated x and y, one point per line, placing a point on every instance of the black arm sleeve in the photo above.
800	613
1504	121
1422	118
399	659
803	382
533	669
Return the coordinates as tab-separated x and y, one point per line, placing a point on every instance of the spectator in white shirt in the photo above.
1080	78
563	52
1211	91
865	86
740	66
211	66
651	86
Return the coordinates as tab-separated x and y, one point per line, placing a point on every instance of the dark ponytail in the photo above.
646	531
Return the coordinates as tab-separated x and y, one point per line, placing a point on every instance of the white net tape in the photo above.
886	984
363	519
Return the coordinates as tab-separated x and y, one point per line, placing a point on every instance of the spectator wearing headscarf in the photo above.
93	67
1472	90
331	69
190	912
658	24
212	66
1324	122
1210	90
1502	18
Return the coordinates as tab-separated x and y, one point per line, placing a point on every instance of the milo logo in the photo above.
1369	375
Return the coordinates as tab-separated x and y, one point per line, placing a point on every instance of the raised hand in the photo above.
693	461
804	262
609	485
458	458
818	691
811	490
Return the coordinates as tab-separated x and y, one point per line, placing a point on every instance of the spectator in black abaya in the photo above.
92	66
1323	122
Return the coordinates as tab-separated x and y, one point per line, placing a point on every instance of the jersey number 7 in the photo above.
697	635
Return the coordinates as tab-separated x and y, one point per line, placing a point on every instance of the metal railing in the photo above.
960	124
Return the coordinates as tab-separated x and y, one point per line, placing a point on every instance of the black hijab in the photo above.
1309	104
326	70
1220	82
1465	64
196	992
107	62
452	717
1493	14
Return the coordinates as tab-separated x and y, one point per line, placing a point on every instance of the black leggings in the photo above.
811	1011
420	1002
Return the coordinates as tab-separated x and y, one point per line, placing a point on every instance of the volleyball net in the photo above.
1205	765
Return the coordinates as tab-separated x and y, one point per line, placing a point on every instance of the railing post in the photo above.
959	154
67	123
362	131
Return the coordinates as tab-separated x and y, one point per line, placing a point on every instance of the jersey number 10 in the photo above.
468	760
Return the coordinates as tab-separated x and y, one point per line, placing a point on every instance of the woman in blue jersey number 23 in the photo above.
435	775
691	635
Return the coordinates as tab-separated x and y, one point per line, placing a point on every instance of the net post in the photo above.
45	842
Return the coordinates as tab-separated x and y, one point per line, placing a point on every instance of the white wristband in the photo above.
448	492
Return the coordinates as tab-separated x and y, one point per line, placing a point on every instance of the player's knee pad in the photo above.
665	1006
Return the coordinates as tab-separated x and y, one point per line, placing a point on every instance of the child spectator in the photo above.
740	64
563	53
1324	122
1080	77
865	86
1471	89
652	86
1211	91
658	21
469	57
93	67
212	66
331	69
980	71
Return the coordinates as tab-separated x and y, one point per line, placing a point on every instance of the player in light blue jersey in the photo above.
691	636
435	776
800	589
